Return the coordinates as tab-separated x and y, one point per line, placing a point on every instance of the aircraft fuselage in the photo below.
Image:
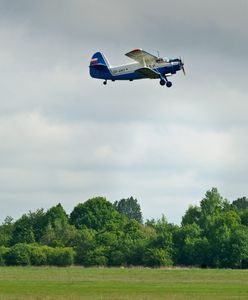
146	65
127	71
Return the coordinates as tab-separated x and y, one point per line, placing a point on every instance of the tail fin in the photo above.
99	59
99	66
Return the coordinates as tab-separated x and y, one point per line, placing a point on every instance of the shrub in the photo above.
38	256
18	255
3	252
26	254
157	257
96	257
60	256
117	258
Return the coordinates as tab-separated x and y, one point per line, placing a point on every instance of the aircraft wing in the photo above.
148	73
142	56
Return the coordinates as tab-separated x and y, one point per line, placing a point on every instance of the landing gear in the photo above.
105	82
162	82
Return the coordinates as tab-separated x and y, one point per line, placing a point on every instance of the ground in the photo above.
121	283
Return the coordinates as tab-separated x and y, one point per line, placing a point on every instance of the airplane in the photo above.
146	65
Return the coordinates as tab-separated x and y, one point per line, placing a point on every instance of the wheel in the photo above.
168	84
162	82
105	82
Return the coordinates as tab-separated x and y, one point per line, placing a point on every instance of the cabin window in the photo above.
159	60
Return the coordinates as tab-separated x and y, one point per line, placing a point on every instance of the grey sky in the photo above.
65	137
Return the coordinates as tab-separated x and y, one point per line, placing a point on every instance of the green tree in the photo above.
96	213
56	213
3	252
133	242
189	244
84	243
159	249
212	202
60	234
163	236
211	206
238	257
244	217
130	208
111	243
220	230
23	231
33	226
241	203
192	215
6	230
38	222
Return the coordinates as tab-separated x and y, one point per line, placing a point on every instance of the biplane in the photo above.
145	65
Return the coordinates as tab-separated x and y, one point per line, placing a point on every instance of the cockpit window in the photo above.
159	60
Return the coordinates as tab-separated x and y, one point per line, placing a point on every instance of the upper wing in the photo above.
148	73
142	56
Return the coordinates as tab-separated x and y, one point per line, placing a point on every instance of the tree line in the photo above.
98	233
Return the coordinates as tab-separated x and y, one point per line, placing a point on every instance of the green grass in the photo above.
136	283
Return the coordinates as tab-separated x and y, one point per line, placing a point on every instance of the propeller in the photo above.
180	61
182	66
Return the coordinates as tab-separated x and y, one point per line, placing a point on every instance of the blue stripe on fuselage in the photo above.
102	72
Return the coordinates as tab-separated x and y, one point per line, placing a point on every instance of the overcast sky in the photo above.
66	138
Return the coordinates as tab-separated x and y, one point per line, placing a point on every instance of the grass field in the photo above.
117	283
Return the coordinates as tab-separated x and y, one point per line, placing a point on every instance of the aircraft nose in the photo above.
182	65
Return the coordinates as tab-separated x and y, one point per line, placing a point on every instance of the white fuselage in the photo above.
132	67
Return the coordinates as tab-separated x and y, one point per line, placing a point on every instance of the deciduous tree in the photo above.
130	208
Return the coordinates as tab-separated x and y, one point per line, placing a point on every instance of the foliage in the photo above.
96	213
22	231
36	255
213	234
37	222
244	216
241	203
56	213
157	257
130	208
192	215
190	245
3	252
98	233
18	255
59	234
58	256
6	231
85	242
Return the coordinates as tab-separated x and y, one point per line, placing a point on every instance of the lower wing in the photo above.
148	73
